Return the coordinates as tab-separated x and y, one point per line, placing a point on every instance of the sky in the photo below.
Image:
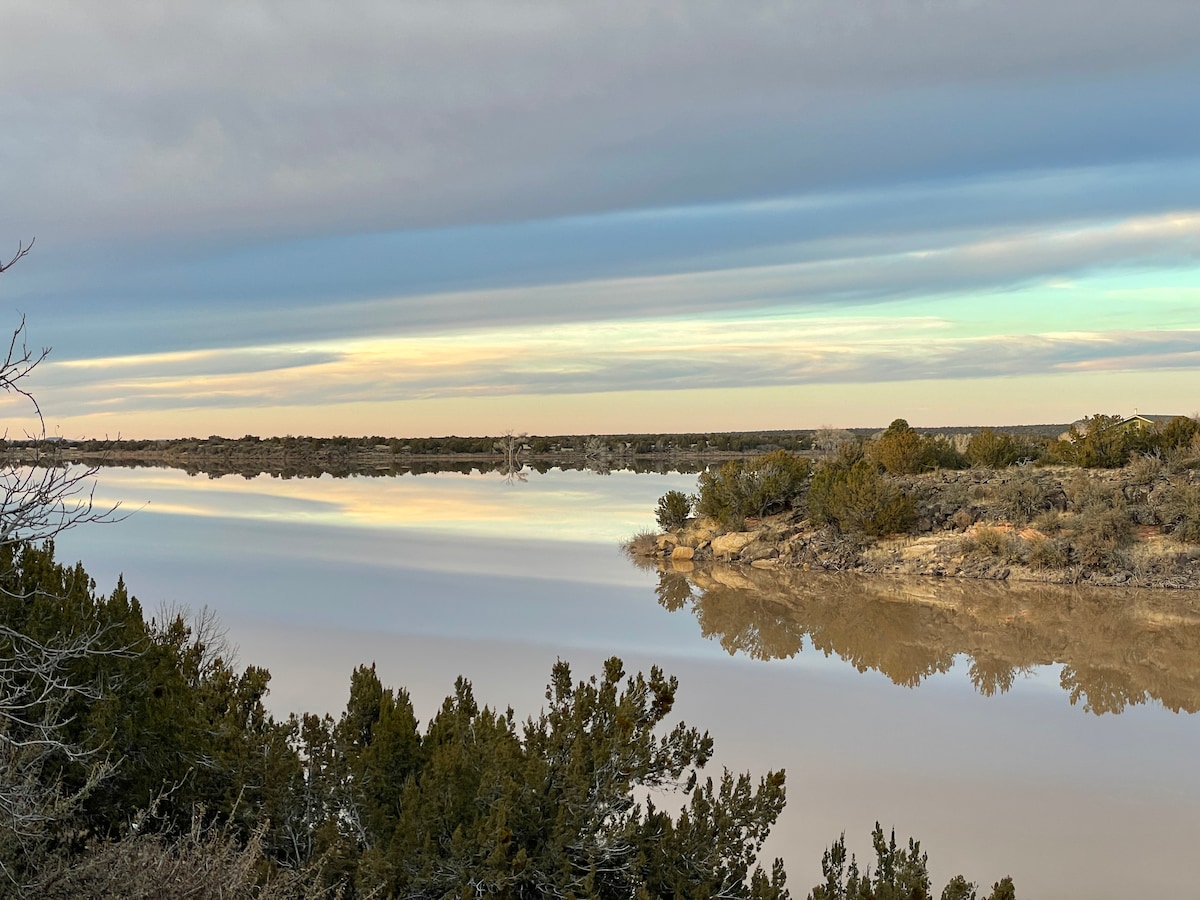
425	218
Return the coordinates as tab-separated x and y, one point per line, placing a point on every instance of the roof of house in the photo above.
1148	419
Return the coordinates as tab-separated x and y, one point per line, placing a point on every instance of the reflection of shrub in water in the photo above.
767	613
992	675
673	591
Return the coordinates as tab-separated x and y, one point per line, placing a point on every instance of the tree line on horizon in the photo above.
621	445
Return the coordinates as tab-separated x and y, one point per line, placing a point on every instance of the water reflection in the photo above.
1117	648
392	466
555	506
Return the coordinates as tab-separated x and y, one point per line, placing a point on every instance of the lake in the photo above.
1047	734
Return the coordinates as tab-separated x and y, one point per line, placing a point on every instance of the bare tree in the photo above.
40	497
36	686
40	494
511	446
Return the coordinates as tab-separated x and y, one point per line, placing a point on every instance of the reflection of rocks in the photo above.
1117	646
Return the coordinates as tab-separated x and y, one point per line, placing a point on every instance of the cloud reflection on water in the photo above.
568	506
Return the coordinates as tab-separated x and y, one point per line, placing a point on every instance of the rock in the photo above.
730	578
758	550
683	553
667	540
730	545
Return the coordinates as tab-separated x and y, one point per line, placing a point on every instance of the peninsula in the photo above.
1112	502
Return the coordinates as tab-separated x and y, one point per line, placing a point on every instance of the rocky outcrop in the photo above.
1051	525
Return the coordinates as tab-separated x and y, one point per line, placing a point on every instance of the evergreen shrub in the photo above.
673	510
859	499
754	487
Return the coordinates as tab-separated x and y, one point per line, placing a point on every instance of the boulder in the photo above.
758	550
726	546
683	553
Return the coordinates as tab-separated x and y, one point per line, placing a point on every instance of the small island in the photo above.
1112	501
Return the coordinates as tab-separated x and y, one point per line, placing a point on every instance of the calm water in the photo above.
1044	734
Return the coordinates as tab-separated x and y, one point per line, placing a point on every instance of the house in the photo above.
1136	422
1140	421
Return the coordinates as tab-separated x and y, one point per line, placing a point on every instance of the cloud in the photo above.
663	355
778	269
257	118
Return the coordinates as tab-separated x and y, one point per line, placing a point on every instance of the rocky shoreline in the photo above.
1056	525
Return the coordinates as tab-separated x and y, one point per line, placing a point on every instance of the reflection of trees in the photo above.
674	591
1117	647
511	446
1102	690
992	675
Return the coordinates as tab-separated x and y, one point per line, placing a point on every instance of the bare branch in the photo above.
22	249
40	497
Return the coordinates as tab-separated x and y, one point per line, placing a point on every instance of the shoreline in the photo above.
963	531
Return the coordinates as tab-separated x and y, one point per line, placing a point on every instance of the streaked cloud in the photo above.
255	118
247	206
667	354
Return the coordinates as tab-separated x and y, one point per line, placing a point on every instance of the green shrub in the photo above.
673	510
992	449
899	872
1099	442
1023	497
1048	522
1000	544
940	453
1046	553
1177	434
1144	469
991	541
1179	510
753	487
1184	456
642	546
859	500
1101	531
900	449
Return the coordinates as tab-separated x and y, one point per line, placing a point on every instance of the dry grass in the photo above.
642	546
204	864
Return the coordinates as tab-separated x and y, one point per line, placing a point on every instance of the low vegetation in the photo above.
755	487
1107	503
674	508
858	499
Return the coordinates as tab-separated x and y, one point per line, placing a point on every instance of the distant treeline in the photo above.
530	445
